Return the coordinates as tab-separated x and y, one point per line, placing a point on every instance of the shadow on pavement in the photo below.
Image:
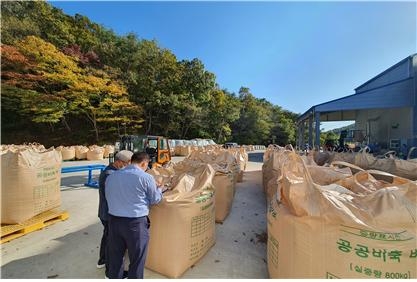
75	257
75	182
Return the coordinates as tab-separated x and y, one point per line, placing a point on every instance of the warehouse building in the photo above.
384	110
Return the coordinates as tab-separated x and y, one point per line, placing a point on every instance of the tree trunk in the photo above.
96	130
51	125
220	131
148	130
186	130
64	121
188	124
93	120
182	131
220	135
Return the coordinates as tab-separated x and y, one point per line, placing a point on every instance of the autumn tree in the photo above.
66	88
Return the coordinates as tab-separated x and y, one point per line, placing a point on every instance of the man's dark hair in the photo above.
139	157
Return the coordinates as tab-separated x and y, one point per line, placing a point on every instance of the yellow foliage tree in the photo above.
86	91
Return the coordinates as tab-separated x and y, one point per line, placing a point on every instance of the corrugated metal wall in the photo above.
399	94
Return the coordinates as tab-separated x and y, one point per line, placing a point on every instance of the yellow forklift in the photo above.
156	147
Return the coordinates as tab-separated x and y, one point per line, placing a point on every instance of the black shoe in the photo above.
101	263
125	274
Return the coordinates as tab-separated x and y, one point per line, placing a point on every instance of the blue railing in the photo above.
90	182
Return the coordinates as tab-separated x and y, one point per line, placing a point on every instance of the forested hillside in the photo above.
67	80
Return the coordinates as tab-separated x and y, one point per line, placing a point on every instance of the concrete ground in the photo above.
69	249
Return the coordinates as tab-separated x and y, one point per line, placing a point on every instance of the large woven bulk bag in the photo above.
320	158
182	224
108	149
240	161
271	169
309	160
267	166
207	157
178	151
95	153
245	156
224	187
30	184
34	146
185	150
365	160
223	182
11	147
402	168
348	157
320	175
58	150
226	156
405	168
354	228
68	153
81	152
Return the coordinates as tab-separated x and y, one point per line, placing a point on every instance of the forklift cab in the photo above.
156	147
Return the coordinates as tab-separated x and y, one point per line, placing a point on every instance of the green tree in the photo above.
328	136
254	123
153	83
195	84
284	126
223	110
18	21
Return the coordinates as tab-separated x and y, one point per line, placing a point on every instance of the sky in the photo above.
294	54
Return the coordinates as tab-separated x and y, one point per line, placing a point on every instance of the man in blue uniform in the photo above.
129	194
121	159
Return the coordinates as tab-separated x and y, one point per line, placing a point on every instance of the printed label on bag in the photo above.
374	254
374	235
202	233
204	197
48	174
331	276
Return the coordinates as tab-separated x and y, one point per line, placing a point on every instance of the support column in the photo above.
414	141
302	132
310	131
297	138
317	121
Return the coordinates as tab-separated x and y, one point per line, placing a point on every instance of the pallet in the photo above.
13	231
